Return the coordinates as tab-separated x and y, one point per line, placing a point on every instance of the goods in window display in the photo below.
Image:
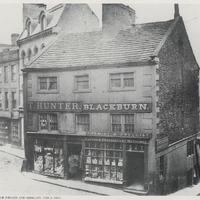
38	164
94	161
100	161
48	166
107	161
120	162
59	166
88	160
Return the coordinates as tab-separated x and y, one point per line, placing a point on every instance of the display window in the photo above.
48	157
104	162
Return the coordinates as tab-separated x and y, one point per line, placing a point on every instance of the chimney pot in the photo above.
14	37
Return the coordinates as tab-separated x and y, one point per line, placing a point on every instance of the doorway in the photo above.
75	161
135	170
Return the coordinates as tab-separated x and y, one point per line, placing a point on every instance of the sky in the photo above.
11	16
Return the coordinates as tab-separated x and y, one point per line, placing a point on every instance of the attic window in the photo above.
43	22
28	28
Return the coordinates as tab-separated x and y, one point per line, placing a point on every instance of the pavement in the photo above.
193	190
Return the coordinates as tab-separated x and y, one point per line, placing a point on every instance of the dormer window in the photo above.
43	22
28	28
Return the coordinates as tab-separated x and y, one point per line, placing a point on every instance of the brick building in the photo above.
10	128
118	105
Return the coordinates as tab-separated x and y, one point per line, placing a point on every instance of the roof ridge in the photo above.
157	50
158	22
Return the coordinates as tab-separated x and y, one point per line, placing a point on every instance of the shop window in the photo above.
48	122
161	173
13	73
190	148
47	83
14	100
6	74
6	100
122	123
14	131
122	81
82	122
4	129
82	83
104	162
48	157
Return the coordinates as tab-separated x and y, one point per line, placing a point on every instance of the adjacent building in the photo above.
117	105
10	129
42	27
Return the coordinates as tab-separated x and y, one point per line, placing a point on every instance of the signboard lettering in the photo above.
88	107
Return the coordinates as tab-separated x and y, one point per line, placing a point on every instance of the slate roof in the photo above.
85	49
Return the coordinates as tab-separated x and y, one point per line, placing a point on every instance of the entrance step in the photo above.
134	191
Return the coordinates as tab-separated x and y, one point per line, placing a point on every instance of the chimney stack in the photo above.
176	10
116	17
14	37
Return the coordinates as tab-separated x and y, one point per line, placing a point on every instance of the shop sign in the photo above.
132	135
162	144
116	140
88	107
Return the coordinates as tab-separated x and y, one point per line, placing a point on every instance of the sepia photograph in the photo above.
99	99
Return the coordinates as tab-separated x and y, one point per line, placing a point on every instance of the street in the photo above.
13	182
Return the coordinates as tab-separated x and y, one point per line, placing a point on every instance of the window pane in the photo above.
13	72
14	100
129	119
43	83
43	122
83	122
82	82
6	73
115	80
129	80
129	128
6	100
116	128
116	119
53	83
0	100
53	122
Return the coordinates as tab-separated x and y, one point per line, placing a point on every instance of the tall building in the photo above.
117	105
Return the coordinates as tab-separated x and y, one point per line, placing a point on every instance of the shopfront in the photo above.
103	159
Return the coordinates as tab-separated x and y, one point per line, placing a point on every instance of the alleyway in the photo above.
13	182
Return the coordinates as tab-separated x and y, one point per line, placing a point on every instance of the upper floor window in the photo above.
14	100
122	123
23	54
82	82
0	74
13	73
0	100
122	81
48	122
82	122
47	83
190	148
5	73
6	100
29	54
42	46
28	28
43	22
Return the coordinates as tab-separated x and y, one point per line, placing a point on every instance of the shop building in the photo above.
10	129
116	106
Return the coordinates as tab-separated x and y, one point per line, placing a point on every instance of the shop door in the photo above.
189	177
74	161
135	170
